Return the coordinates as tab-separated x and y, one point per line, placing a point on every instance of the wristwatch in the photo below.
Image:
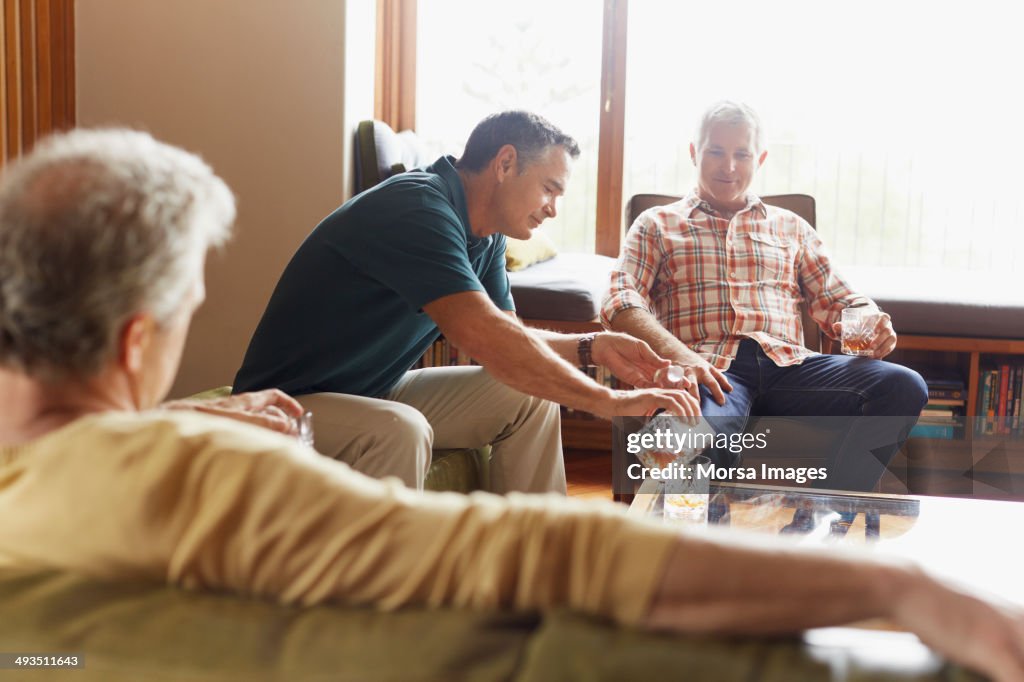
584	349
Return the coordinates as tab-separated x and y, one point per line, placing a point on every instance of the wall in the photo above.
258	88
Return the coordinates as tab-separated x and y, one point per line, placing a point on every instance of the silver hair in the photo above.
97	226
734	113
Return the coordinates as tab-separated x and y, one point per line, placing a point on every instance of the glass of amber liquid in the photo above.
686	494
858	330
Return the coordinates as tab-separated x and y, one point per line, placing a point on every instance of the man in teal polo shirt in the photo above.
421	254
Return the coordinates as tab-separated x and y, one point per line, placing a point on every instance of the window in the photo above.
476	58
901	119
898	118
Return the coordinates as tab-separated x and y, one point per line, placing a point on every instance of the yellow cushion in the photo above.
522	253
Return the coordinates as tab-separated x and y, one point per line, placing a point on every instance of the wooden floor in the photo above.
589	473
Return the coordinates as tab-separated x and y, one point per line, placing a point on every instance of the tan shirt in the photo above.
200	501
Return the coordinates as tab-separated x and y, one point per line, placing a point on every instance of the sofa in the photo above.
136	631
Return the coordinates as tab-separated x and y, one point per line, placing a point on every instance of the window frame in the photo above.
394	100
37	80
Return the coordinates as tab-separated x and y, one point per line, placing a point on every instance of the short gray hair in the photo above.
734	113
97	226
530	134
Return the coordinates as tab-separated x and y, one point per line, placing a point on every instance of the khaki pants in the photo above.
443	407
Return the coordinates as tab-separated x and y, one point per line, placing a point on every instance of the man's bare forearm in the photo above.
713	585
514	355
565	345
721	585
641	324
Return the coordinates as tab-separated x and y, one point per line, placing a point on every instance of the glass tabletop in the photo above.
976	542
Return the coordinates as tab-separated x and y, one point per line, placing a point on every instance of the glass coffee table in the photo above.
796	511
974	542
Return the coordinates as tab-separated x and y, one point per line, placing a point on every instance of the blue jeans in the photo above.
877	402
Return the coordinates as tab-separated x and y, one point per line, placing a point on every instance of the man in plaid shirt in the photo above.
715	282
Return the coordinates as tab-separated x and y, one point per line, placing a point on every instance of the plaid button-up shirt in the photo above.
712	281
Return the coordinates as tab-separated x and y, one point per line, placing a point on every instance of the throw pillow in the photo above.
522	253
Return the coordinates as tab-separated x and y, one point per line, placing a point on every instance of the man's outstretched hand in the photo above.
630	359
699	372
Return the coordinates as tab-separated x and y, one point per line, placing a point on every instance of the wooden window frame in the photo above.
395	68
37	81
612	135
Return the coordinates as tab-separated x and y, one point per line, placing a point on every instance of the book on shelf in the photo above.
933	414
1003	393
943	384
944	402
1016	392
946	393
939	431
943	380
443	354
942	416
1000	394
984	401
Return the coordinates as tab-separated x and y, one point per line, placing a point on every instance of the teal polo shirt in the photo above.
347	314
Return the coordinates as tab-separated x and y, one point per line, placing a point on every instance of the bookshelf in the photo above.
971	462
966	355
